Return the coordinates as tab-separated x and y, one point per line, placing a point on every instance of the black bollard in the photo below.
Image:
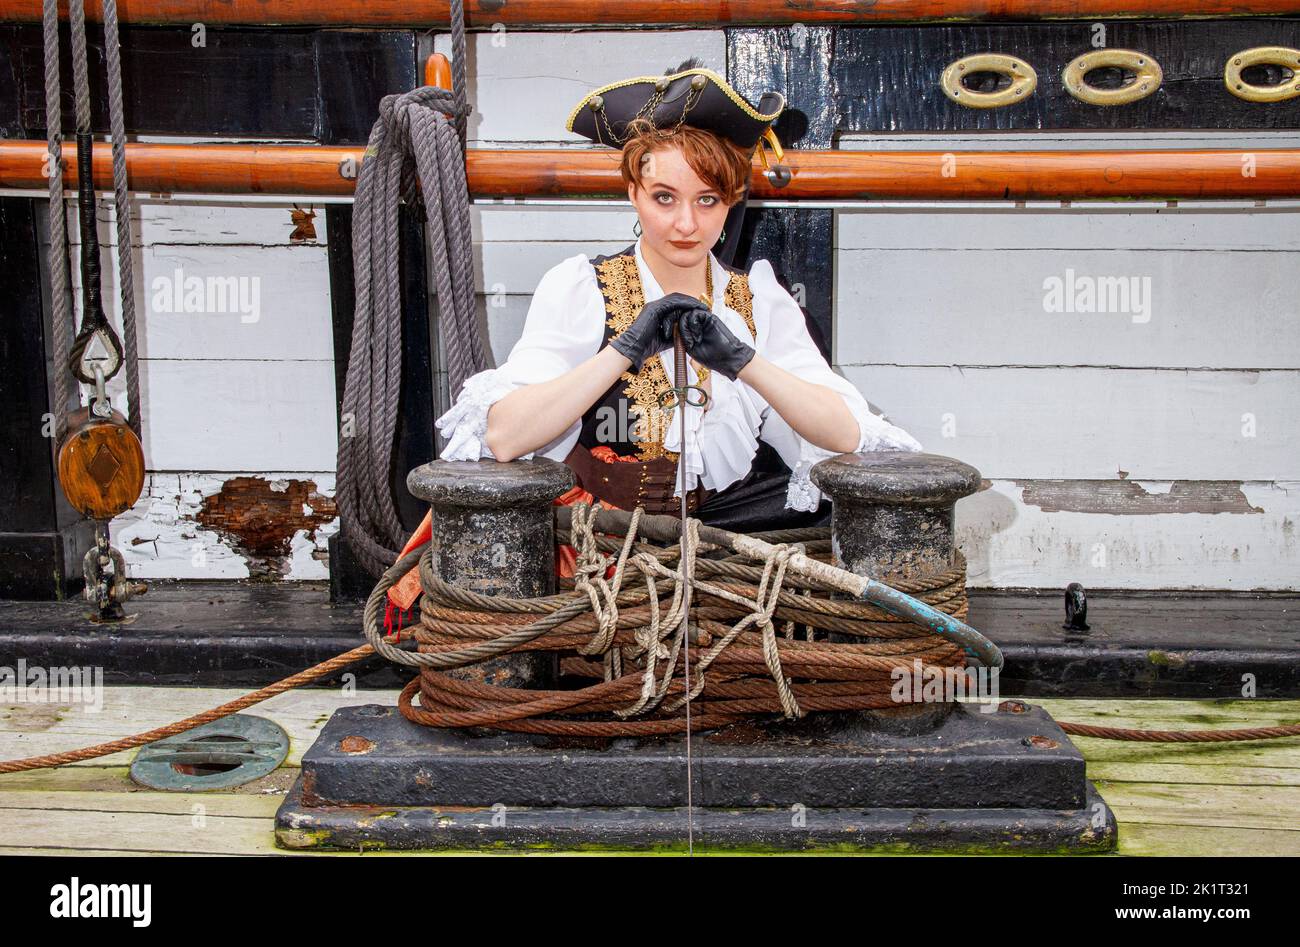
892	519
494	533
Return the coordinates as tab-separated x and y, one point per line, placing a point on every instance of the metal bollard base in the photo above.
1009	781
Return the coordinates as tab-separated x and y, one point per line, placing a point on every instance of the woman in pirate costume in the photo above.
582	384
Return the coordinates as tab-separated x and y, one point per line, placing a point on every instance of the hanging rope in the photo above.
62	309
63	326
122	215
411	141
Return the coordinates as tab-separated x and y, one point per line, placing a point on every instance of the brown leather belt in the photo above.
629	484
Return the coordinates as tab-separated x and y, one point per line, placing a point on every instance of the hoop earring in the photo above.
636	229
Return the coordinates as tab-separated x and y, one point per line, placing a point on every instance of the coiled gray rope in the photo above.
461	113
411	137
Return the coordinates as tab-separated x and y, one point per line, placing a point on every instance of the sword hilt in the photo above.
679	356
669	398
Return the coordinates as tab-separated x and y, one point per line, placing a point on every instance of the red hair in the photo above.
718	162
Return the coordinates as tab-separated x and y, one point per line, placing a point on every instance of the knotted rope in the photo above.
635	629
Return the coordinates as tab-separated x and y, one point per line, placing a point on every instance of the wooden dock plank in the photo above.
85	778
1250	807
1155	839
200	805
1206	774
137	831
1264	753
1173	714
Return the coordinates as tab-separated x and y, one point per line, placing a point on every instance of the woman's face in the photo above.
681	216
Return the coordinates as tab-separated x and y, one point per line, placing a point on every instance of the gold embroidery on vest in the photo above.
739	298
621	284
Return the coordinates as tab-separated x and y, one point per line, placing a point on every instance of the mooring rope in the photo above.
600	618
1179	736
324	669
632	640
63	324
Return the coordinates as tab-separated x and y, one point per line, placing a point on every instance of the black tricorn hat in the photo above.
690	95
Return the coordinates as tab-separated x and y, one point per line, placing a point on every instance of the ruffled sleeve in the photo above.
783	339
564	327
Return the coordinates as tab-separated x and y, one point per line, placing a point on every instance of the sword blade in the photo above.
680	381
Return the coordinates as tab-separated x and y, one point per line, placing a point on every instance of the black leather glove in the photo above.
712	344
652	330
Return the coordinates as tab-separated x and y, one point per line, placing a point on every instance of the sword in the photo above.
679	371
680	396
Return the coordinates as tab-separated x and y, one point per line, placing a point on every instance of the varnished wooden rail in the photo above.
485	14
823	175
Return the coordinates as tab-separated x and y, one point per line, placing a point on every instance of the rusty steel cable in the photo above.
745	668
1179	736
324	669
840	673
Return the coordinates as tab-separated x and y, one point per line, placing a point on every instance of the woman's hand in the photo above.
534	415
652	330
712	344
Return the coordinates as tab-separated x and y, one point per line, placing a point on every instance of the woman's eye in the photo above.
708	197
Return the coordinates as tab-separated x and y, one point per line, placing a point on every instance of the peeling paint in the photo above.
1136	498
268	520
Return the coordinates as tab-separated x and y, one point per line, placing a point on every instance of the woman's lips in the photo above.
684	244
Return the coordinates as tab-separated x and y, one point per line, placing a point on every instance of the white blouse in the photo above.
565	326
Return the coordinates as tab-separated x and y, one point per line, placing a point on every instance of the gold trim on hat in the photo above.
718	80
